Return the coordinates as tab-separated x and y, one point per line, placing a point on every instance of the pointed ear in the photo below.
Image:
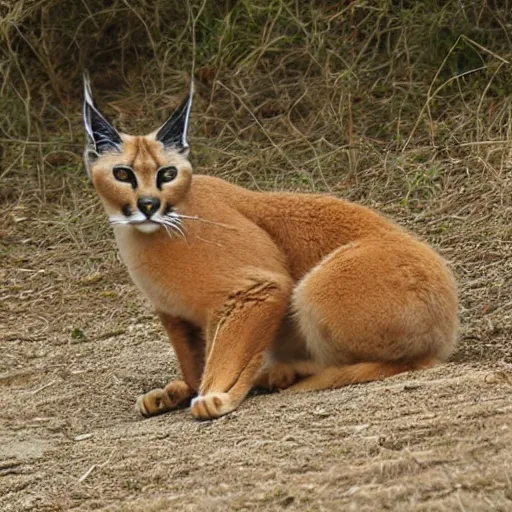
102	135
173	133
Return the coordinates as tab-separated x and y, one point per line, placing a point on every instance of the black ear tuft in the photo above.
102	135
173	133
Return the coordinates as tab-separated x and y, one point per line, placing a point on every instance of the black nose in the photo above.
148	205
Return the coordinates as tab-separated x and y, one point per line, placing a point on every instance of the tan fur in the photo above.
272	288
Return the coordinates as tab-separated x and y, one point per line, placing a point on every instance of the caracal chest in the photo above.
159	270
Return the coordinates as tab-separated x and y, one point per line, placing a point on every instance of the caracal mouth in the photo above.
146	226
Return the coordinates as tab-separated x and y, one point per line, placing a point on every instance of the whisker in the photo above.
178	228
167	230
195	217
175	226
209	241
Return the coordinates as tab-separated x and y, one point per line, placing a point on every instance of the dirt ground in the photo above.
402	106
79	344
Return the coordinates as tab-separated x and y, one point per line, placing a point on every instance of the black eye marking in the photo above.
166	174
125	174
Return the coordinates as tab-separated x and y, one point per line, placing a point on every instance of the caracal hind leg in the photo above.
373	309
309	376
188	345
333	377
239	335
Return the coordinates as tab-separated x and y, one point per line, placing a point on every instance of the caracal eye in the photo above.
166	174
123	173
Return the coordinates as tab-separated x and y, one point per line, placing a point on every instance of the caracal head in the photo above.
141	180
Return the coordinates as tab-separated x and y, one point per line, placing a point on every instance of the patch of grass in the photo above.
78	334
298	79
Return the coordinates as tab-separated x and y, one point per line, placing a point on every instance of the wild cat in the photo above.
282	290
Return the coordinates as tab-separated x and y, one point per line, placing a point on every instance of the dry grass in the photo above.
404	106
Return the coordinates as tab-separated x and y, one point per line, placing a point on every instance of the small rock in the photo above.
82	437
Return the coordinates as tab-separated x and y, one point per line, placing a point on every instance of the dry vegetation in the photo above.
404	106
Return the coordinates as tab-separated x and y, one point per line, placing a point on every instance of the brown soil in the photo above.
80	344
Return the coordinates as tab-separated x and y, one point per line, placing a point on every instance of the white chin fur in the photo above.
147	228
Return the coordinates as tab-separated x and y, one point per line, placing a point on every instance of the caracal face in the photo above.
141	180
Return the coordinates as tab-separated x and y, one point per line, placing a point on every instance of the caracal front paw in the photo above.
158	401
211	406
